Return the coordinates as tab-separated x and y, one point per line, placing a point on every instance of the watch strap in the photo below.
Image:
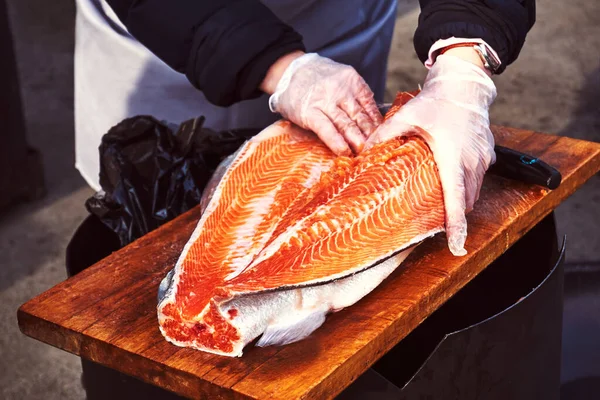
488	58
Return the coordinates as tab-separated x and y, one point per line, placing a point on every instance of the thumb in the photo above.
393	127
453	187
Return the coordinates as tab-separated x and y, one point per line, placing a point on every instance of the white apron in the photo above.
116	77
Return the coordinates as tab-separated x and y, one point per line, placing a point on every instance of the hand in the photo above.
326	97
452	109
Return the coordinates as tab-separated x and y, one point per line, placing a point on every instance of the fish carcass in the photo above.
292	232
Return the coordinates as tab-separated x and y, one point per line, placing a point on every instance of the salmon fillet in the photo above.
292	232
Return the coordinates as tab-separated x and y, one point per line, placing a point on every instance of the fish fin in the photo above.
165	286
292	329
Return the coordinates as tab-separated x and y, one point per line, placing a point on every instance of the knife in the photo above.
513	164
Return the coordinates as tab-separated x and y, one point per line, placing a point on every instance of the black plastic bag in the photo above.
151	172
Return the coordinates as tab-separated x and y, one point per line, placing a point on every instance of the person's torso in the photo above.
116	77
322	23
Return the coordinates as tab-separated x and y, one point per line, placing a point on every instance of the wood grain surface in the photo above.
107	313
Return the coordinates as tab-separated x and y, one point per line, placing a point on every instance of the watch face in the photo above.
490	62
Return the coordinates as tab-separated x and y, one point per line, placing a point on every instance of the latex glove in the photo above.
328	98
452	109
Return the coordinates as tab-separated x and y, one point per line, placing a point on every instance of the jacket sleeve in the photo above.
503	24
223	47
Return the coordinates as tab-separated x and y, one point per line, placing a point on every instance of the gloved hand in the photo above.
452	109
328	98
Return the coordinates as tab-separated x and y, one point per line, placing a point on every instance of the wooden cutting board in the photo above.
107	313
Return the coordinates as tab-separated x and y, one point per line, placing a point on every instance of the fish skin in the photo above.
326	298
273	314
254	287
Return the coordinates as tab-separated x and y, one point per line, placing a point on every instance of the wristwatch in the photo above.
489	60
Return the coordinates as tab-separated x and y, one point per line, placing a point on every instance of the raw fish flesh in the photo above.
290	233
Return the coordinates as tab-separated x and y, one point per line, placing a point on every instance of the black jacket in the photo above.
225	47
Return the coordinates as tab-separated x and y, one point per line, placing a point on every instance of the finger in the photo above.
474	175
367	102
491	143
358	114
471	189
484	148
456	230
452	179
348	128
482	168
478	192
322	126
391	128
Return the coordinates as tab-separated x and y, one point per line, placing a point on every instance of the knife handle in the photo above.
515	165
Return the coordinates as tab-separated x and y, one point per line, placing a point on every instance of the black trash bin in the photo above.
497	338
92	242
